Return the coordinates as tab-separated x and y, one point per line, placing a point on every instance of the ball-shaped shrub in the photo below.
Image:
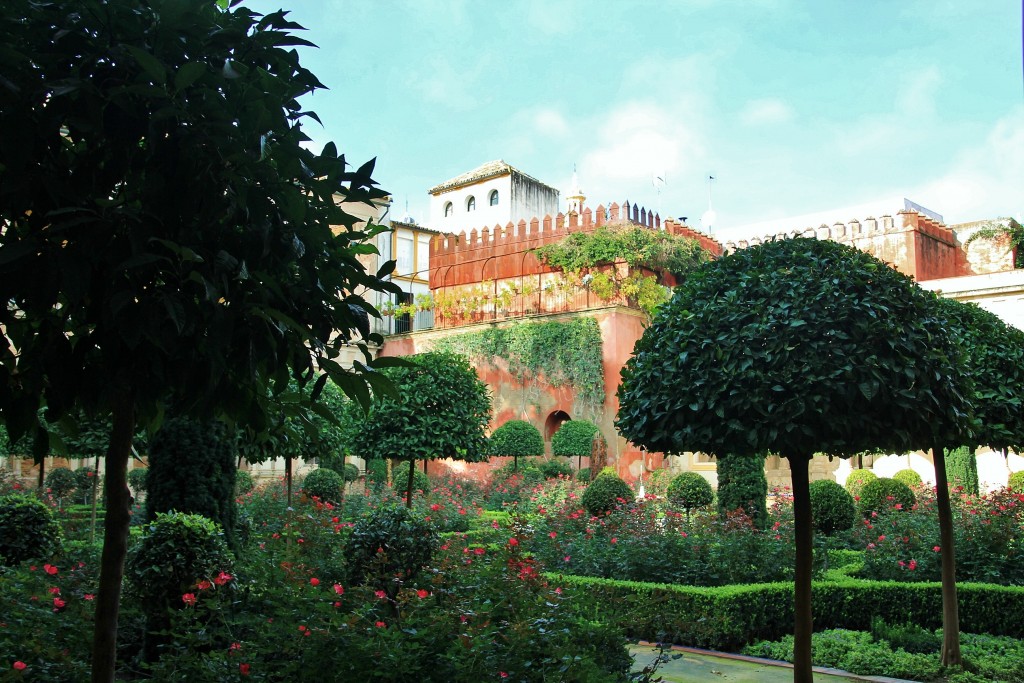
1016	482
177	551
574	438
324	484
689	491
908	477
400	478
28	530
553	469
856	480
832	507
137	480
243	483
605	493
516	438
583	475
376	472
61	482
85	479
388	544
350	473
742	485
884	494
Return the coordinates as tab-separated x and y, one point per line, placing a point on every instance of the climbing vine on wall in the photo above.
567	353
1011	230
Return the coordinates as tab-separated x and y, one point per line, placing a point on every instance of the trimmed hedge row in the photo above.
729	617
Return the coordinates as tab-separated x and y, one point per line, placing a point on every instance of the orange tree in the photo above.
166	241
794	347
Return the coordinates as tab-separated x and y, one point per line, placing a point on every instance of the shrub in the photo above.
857	479
832	507
388	544
137	480
28	530
657	481
910	637
689	491
61	482
516	438
400	478
553	469
583	475
325	484
574	438
351	473
1016	482
884	494
606	493
742	485
243	482
962	469
376	472
908	477
85	477
192	468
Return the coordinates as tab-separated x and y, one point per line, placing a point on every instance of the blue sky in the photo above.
794	106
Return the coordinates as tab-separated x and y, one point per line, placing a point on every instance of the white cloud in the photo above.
767	111
550	122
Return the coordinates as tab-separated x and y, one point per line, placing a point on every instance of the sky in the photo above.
793	106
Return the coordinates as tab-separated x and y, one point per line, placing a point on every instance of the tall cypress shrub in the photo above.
962	469
742	485
192	469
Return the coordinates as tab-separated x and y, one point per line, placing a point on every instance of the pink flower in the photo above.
19	666
314	581
49	569
58	604
913	565
558	591
380	595
937	548
379	624
553	534
204	585
222	578
565	559
422	593
243	668
513	541
503	674
189	599
88	596
339	589
614	540
882	537
235	647
479	551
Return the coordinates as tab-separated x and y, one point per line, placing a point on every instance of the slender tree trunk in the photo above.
42	473
950	608
408	485
95	486
288	477
803	623
115	540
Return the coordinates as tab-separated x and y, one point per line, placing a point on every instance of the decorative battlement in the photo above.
854	229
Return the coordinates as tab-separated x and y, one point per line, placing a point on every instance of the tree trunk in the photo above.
408	486
950	608
803	624
288	477
95	486
42	474
115	540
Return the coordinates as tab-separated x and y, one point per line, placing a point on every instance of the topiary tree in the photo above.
389	547
605	493
1016	481
793	347
377	472
441	411
516	438
742	485
61	483
166	233
962	469
400	478
177	551
192	469
575	438
350	473
885	494
85	483
832	507
856	480
325	484
137	480
908	477
689	491
28	530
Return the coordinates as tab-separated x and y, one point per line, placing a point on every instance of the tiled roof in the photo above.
492	169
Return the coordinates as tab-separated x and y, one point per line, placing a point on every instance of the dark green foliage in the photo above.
350	473
856	480
28	530
324	484
192	468
441	411
553	469
566	353
243	482
884	494
61	482
85	480
574	438
962	469
400	477
742	485
516	438
910	637
909	477
636	245
689	491
388	544
832	507
1016	481
137	480
583	475
377	472
605	493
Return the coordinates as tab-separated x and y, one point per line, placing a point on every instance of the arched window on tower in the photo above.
447	209
494	198
471	204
